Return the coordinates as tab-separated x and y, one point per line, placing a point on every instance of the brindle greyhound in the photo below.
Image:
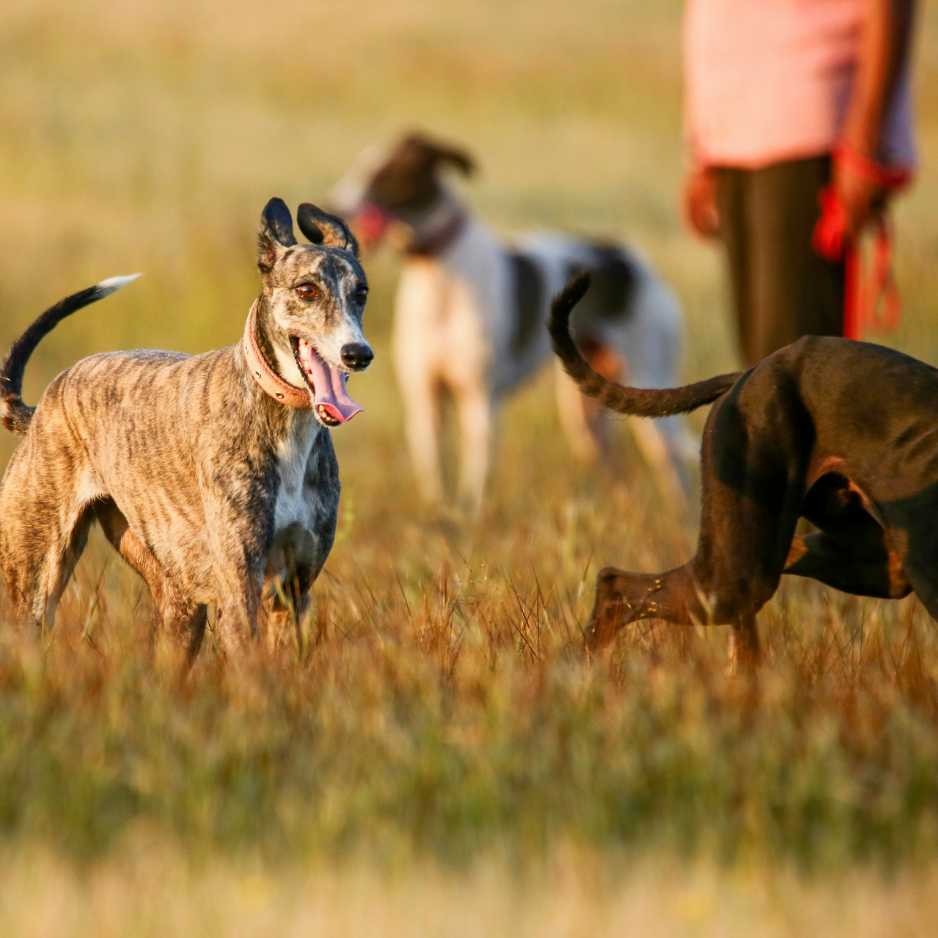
213	475
841	433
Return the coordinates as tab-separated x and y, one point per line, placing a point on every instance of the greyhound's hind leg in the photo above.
284	601
133	550
61	565
182	620
40	545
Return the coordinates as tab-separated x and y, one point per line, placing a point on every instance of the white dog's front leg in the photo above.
475	425
422	416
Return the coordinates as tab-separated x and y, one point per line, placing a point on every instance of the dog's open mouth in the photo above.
326	385
371	223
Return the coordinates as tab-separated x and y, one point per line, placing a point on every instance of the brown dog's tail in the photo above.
14	413
639	402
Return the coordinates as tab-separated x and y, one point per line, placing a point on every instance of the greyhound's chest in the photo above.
305	504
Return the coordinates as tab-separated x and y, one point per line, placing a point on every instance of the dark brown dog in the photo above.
841	433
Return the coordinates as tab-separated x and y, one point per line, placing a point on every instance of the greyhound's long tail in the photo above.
14	413
639	402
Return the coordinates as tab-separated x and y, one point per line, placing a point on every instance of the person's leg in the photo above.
795	292
731	190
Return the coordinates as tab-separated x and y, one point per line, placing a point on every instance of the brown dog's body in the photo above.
841	433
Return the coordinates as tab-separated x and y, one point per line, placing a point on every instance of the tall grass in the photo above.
438	711
450	712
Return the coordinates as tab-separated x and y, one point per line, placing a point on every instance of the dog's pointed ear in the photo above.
322	228
457	157
274	234
438	152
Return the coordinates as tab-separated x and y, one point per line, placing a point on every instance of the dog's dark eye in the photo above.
308	292
361	295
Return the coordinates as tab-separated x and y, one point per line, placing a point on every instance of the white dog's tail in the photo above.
14	414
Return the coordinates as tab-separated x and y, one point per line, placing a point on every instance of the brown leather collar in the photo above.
271	383
435	243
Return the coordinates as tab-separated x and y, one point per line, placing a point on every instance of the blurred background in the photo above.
148	136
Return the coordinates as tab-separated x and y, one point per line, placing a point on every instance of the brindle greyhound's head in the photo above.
402	185
310	308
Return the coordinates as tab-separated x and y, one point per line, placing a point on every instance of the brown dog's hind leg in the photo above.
920	563
745	648
863	567
623	597
851	551
752	476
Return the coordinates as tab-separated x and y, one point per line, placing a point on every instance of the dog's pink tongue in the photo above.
331	399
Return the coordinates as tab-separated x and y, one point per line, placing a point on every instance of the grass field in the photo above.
436	757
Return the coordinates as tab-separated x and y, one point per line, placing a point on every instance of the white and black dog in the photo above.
471	313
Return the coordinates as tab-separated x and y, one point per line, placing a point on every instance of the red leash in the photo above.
875	304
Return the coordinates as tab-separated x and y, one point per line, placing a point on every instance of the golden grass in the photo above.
444	709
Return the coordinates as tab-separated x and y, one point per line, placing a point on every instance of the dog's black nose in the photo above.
357	356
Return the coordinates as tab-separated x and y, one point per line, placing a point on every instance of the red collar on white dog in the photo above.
436	242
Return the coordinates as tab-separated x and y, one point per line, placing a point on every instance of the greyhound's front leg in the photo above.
238	572
285	598
239	529
236	622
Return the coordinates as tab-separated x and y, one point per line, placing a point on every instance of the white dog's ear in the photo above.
457	157
322	228
437	152
274	234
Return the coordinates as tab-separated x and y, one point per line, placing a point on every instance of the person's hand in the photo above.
859	194
700	202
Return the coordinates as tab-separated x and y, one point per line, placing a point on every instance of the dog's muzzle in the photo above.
356	355
326	384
